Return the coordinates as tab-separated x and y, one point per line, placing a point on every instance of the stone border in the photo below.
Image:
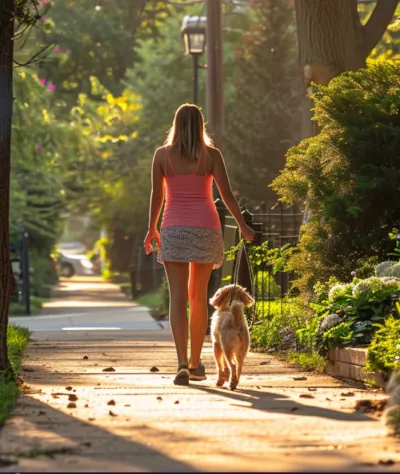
350	363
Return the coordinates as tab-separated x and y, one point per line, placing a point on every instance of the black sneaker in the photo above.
182	377
199	373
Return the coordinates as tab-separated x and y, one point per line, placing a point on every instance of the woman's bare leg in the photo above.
178	276
198	285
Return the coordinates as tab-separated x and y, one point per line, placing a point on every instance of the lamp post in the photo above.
193	32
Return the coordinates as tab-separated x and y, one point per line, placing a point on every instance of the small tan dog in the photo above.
230	333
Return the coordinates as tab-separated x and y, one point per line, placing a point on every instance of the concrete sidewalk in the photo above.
78	416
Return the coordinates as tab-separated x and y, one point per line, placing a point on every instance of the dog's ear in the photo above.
246	298
218	299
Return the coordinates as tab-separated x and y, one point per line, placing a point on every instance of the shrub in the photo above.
346	175
279	321
384	350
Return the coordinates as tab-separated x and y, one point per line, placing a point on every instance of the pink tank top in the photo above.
188	198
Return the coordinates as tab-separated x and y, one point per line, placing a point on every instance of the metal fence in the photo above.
279	226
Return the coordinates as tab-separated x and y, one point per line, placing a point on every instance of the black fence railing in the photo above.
279	226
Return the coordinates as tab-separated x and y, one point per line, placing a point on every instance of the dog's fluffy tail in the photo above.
237	313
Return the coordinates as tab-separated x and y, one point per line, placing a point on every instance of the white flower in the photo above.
329	322
337	291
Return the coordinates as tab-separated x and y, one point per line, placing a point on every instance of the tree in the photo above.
333	40
263	115
347	177
7	11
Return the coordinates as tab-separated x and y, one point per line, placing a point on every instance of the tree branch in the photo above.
378	22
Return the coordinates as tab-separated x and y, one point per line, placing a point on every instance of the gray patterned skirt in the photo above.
191	244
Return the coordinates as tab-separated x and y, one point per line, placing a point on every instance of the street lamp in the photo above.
193	32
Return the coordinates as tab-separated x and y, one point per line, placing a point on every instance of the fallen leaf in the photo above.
71	405
311	389
85	357
258	387
111	402
265	362
347	394
41	412
86	406
306	395
154	369
159	398
329	399
299	378
294	409
387	462
127	405
109	369
370	406
177	402
54	395
68	388
91	419
111	413
72	398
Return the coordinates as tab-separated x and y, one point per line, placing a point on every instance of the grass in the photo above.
307	361
152	300
18	309
17	340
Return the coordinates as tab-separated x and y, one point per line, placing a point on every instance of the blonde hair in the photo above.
188	134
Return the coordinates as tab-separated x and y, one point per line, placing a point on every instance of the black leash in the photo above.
242	249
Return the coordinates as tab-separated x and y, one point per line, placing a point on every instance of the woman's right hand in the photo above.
151	234
247	232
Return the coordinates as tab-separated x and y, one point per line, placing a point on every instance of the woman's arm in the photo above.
224	187
156	200
157	189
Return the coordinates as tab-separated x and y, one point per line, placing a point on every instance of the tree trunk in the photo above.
6	104
332	40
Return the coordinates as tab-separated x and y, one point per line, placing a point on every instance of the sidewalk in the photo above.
77	416
135	420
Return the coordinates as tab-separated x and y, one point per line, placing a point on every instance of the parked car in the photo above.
75	264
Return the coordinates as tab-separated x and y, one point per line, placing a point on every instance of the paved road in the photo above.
89	303
92	404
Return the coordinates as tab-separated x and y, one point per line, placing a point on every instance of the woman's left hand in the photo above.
152	234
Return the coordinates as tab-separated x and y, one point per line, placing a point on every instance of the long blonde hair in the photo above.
188	135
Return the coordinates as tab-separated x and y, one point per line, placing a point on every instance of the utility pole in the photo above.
215	110
215	77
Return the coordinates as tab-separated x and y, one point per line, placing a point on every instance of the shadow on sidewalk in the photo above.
278	403
58	439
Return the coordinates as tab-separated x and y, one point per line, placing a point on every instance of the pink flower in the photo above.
57	50
42	19
39	148
43	3
52	87
43	81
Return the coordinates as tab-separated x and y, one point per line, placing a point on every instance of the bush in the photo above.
349	314
44	277
384	351
346	176
279	321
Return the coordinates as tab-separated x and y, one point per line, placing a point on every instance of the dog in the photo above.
230	333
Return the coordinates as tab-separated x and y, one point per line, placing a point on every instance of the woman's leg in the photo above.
198	286
178	276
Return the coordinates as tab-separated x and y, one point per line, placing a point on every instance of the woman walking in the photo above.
190	245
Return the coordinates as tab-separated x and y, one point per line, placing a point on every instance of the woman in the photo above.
191	243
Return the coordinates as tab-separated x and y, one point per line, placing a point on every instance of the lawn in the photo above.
17	340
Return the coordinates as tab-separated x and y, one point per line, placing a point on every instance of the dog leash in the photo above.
242	249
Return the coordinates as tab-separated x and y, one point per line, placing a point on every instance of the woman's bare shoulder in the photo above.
213	152
159	154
